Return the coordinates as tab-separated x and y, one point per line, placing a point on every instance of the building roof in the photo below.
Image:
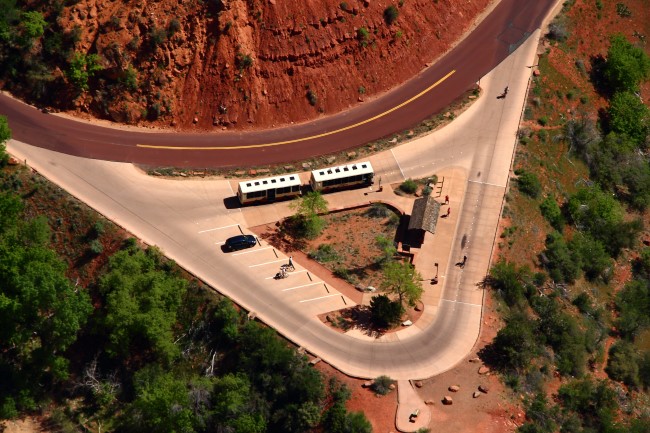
424	215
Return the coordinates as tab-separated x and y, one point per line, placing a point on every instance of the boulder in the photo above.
476	394
367	384
429	402
392	386
484	388
475	360
418	384
483	370
454	388
447	400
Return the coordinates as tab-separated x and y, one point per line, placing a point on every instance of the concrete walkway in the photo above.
408	402
188	218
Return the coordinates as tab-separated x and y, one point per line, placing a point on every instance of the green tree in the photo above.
633	305
307	218
234	406
5	134
83	67
514	346
629	115
385	312
591	255
401	278
626	65
623	363
562	263
141	302
162	403
510	281
40	311
32	26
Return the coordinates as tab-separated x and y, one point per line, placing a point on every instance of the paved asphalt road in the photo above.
172	214
491	42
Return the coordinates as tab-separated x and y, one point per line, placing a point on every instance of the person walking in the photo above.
448	211
291	262
446	199
464	260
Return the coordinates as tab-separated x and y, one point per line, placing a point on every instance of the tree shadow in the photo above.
597	76
360	317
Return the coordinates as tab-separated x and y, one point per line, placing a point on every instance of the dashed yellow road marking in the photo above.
312	137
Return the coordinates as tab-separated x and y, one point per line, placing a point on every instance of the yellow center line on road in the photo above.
312	137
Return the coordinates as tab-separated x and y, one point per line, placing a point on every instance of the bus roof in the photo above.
342	171
255	185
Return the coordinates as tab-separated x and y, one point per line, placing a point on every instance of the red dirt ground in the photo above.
295	47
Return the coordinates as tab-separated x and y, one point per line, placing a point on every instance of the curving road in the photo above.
431	91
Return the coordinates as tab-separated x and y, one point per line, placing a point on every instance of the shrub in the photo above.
96	247
312	97
426	191
623	363
381	385
623	11
390	14
557	30
363	36
362	90
543	120
378	210
384	312
552	213
243	61
324	253
174	26
529	184
409	186
157	36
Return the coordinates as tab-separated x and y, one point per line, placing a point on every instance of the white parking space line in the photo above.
217	228
320	297
267	263
252	251
293	272
304	285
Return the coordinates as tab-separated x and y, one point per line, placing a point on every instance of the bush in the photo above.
409	186
174	26
157	37
529	184
552	213
96	247
243	61
324	253
623	363
385	312
312	97
378	210
381	385
557	30
391	14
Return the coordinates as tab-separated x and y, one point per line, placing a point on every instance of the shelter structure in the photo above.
424	217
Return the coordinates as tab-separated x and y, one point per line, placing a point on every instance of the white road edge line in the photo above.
320	297
217	228
252	251
304	285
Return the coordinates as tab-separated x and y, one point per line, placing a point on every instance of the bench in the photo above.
414	415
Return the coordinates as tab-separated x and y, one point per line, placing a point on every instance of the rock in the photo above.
352	154
536	73
240	173
407	323
476	394
394	140
252	172
12	161
329	318
367	384
447	400
471	97
288	167
264	92
418	384
195	120
331	159
429	402
454	388
392	386
483	370
484	388
306	165
272	2
410	133
475	360
360	99
418	308
315	361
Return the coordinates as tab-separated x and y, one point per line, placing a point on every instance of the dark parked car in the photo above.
240	242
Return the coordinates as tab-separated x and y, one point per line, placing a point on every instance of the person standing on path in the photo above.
446	199
291	261
448	211
464	261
